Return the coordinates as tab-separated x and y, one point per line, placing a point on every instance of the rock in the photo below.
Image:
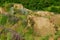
18	6
44	13
42	26
56	20
20	9
2	10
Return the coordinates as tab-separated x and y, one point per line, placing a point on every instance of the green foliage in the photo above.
3	19
9	36
55	9
35	4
